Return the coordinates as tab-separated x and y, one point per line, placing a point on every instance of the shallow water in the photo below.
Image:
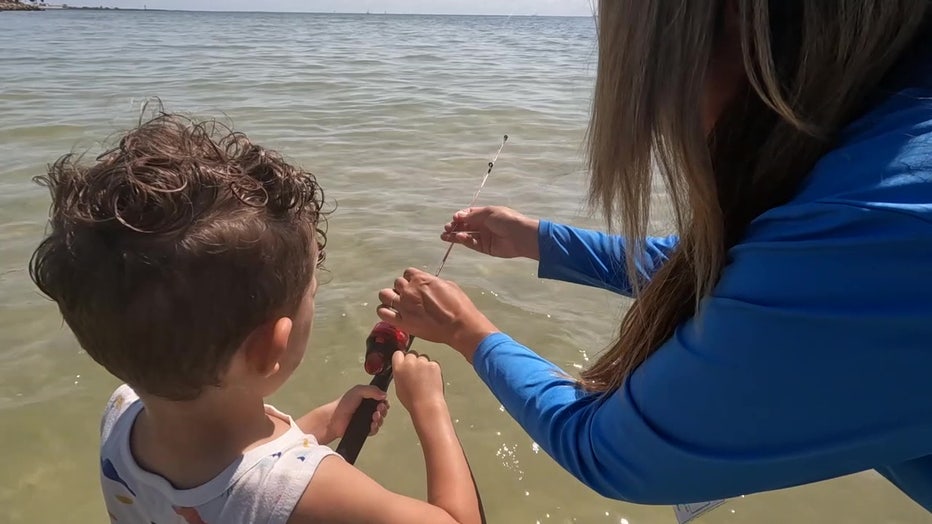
397	115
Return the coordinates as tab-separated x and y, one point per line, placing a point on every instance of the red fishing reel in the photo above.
384	340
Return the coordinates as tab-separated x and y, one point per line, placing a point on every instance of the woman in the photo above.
784	335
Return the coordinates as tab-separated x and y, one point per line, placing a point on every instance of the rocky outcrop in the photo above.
17	6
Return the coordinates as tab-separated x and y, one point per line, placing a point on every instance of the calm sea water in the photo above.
397	115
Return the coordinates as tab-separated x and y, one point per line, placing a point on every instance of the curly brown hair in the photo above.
165	254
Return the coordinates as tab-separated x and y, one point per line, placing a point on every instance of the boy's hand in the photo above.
345	406
328	422
418	381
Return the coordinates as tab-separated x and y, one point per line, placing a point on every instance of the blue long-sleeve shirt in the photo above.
811	358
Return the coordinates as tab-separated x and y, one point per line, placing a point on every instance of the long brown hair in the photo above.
809	66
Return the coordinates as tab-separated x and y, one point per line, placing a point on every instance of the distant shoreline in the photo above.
29	6
12	6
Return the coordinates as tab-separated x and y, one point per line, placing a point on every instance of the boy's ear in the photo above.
266	345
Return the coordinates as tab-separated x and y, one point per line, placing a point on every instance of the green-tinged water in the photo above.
397	115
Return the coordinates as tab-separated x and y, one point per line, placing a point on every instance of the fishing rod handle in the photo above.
359	427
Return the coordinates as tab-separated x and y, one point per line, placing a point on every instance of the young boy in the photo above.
184	262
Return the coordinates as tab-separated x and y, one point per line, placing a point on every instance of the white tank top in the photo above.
262	486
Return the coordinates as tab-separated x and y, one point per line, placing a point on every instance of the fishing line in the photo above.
473	201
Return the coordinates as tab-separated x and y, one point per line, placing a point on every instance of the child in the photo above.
184	262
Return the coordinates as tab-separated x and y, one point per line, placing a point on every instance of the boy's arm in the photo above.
450	484
316	422
340	493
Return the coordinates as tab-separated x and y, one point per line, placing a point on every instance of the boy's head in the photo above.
180	247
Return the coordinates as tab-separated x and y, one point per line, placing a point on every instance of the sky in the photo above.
491	7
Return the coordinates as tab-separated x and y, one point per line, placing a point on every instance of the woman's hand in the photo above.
437	310
494	230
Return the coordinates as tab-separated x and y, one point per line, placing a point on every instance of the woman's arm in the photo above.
583	256
810	361
563	252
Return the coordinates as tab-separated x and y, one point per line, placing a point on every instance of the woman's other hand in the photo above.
494	230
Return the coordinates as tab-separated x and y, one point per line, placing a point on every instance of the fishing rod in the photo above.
383	341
